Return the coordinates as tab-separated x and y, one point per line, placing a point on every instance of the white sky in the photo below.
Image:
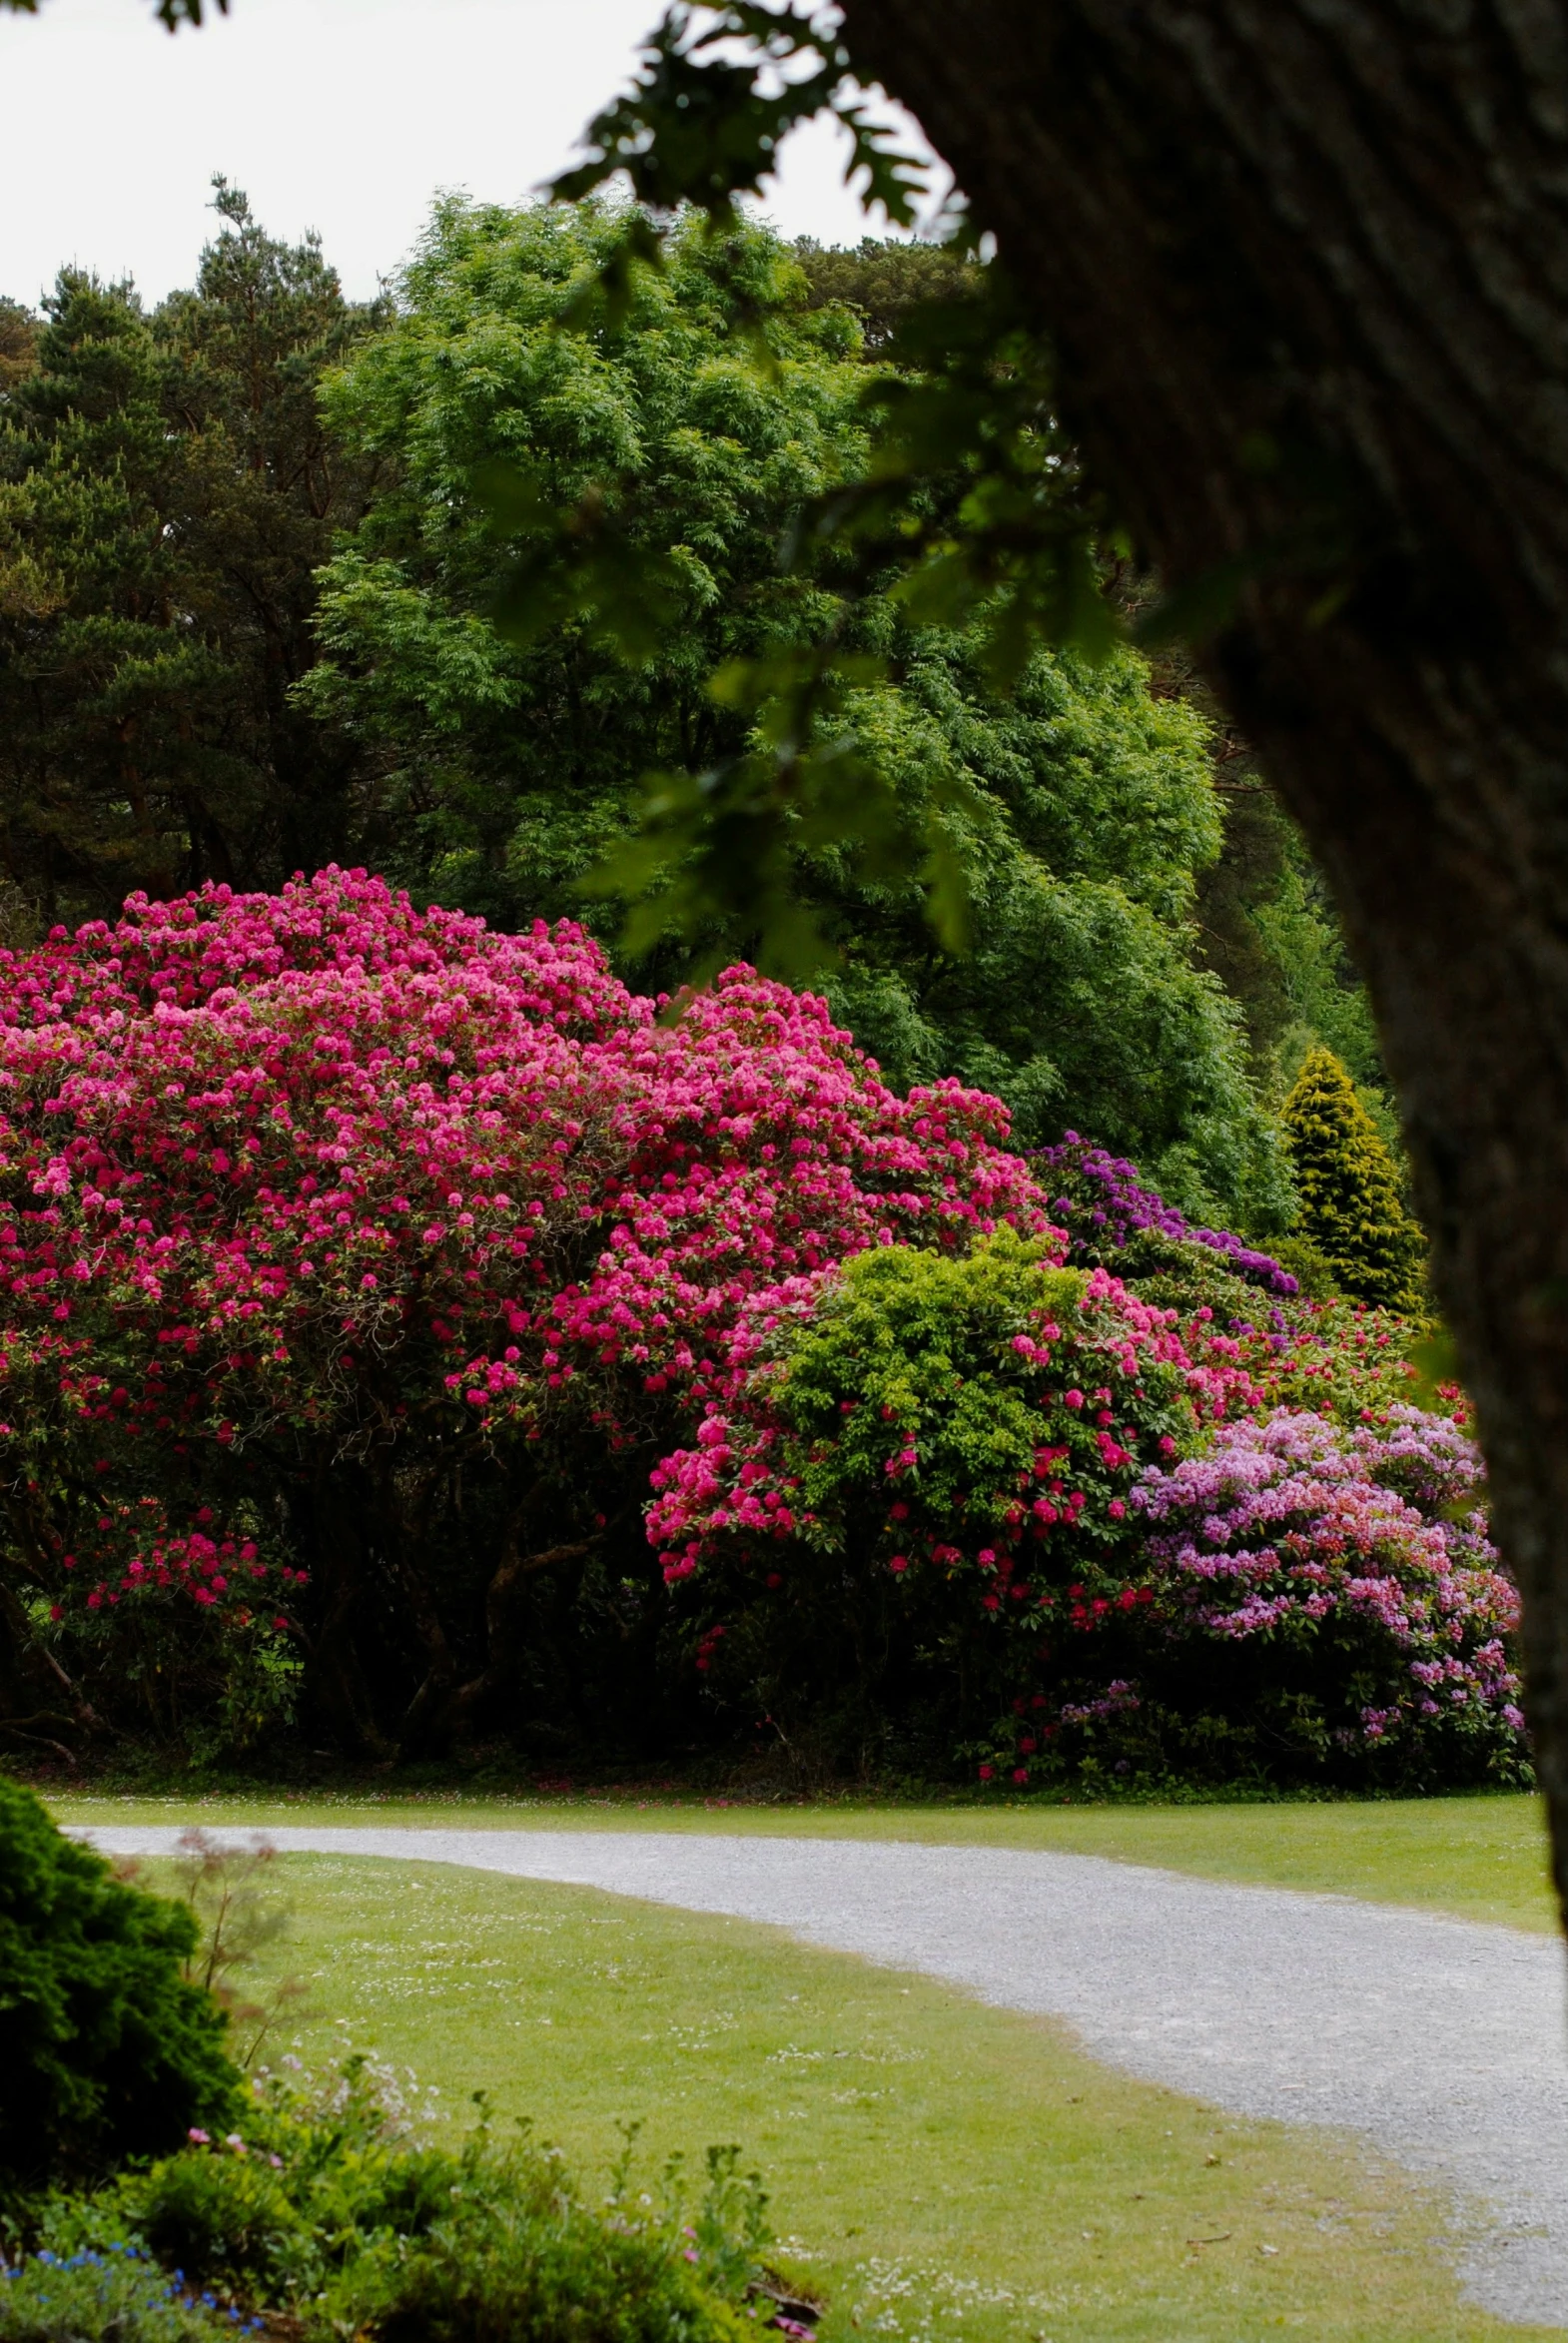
340	115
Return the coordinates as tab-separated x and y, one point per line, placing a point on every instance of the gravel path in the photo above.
1443	2042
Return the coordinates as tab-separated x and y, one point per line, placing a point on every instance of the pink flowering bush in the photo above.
1340	1358
1314	1603
917	1498
998	1509
356	1263
363	1271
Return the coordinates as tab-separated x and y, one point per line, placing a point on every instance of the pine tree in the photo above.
167	493
1349	1189
18	344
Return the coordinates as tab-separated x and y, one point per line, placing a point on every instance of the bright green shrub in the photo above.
1349	1191
106	2052
891	1528
322	2170
219	2216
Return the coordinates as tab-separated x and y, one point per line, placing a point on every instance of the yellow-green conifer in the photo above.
1349	1189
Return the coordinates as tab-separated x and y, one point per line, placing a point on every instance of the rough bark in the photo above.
1307	266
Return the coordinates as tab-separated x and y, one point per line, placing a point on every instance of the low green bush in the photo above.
106	2052
226	2217
330	2209
117	2296
517	2258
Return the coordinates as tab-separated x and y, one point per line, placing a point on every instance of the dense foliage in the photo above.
326	2210
1350	1206
167	490
329	2206
1072	816
951	1491
359	1262
106	2052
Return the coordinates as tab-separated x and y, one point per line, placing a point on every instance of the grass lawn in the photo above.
1480	1858
941	2170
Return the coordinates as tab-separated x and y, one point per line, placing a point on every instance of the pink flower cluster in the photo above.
1069	1460
287	1171
1297	1530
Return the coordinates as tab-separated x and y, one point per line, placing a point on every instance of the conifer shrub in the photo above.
1351	1212
106	2052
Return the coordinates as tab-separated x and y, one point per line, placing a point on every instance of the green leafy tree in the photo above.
167	489
1349	1188
677	433
505	768
105	2051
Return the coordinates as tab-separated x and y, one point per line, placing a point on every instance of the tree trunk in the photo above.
443	1710
332	1515
1306	262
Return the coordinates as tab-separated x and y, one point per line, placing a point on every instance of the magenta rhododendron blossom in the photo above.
300	1181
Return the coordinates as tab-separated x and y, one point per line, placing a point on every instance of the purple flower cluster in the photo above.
1298	1529
1101	1202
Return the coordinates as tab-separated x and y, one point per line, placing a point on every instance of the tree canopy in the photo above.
167	490
1076	810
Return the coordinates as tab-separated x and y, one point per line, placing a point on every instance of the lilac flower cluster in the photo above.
1101	1202
1337	1541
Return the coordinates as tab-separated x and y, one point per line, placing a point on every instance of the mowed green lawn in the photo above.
1479	1858
937	2168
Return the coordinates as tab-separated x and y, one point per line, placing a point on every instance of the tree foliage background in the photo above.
167	492
249	551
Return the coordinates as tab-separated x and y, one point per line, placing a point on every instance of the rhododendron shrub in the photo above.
1104	1203
357	1262
1311	1603
1001	1511
917	1500
1340	1357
